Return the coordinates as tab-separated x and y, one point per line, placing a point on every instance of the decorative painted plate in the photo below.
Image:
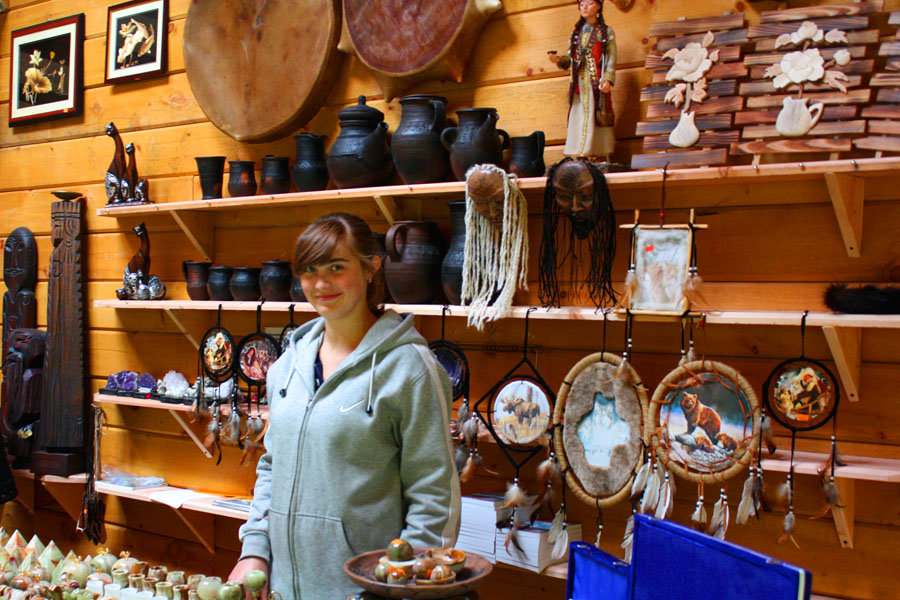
451	357
520	410
217	354
255	354
801	394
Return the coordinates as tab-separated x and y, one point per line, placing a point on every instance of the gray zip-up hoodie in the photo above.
337	481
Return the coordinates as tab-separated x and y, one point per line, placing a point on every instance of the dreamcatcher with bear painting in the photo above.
802	394
517	412
704	425
598	433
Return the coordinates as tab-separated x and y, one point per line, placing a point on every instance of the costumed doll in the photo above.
592	59
577	189
496	255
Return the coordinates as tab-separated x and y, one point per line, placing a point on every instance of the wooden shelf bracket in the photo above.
25	492
389	208
68	496
171	314
846	348
847	196
201	525
843	514
190	432
199	230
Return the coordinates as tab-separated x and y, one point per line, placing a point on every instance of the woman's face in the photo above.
337	288
589	9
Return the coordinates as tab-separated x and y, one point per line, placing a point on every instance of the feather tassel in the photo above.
698	519
693	287
512	536
479	464
788	529
664	504
671	477
470	430
651	495
747	503
459	457
557	525
546	499
463	412
767	435
628	538
548	471
514	495
718	523
640	480
599	535
468	470
630	285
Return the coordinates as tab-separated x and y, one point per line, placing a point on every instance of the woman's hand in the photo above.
245	565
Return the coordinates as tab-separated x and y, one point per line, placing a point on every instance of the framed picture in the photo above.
46	71
136	45
662	257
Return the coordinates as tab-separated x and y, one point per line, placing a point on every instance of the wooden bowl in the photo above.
361	569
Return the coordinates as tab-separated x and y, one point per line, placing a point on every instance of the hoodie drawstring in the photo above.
283	391
371	383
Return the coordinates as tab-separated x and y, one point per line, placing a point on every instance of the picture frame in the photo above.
47	71
136	40
662	258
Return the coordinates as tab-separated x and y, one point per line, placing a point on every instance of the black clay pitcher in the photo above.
275	280
211	170
218	283
452	267
196	274
360	156
527	158
310	172
244	284
476	141
241	178
416	145
275	177
412	270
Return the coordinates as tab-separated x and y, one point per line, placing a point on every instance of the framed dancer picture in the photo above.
136	45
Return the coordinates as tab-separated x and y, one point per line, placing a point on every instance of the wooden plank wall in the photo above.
761	254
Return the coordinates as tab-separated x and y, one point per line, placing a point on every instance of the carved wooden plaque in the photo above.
62	398
405	42
20	277
260	69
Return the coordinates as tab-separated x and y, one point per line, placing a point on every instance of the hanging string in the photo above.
605	321
662	197
599	523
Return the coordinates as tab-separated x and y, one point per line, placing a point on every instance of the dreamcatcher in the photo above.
802	394
285	338
216	357
519	408
255	353
703	423
598	434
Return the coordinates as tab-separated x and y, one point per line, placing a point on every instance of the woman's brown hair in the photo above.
318	243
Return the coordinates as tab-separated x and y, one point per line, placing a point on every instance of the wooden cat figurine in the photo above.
115	174
139	187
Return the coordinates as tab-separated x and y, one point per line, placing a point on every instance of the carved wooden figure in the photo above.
62	433
19	310
115	174
140	188
137	283
22	375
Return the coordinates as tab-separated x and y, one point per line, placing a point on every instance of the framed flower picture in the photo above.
136	45
46	74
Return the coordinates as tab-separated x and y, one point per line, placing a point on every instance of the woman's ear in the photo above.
376	263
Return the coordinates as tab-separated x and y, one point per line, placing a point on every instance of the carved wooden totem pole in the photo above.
19	312
63	431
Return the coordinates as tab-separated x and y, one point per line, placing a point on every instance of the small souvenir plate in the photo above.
705	419
521	410
801	394
255	354
217	354
451	357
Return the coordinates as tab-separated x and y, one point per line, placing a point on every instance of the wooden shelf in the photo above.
858	467
67	491
173	410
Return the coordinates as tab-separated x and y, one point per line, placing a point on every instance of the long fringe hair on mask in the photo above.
601	238
495	261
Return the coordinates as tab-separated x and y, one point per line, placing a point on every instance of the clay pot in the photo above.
476	141
413	267
360	156
241	178
310	172
527	158
196	274
275	177
297	294
275	280
452	267
244	283
381	250
416	145
211	170
218	283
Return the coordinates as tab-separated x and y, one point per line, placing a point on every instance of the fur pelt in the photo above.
868	299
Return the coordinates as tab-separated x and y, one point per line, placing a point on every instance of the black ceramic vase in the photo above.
218	283
452	267
360	156
413	267
310	172
244	284
382	252
297	294
211	170
275	280
196	275
416	145
476	141
241	178
527	158
275	177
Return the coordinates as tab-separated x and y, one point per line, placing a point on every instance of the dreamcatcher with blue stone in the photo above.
518	408
216	366
802	394
598	435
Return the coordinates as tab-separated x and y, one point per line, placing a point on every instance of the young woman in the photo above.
358	449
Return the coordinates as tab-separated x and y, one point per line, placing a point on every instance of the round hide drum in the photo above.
260	69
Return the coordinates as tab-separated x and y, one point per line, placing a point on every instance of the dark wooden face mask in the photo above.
574	187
